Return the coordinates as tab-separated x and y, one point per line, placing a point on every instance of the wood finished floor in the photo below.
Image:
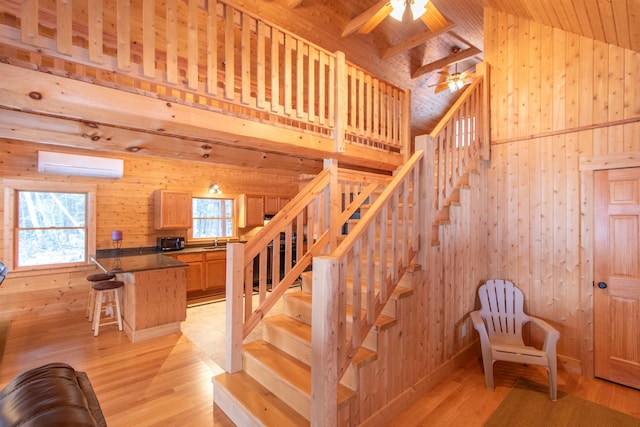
167	381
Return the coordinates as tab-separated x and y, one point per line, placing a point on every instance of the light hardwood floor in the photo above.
167	381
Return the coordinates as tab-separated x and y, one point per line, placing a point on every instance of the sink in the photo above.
215	248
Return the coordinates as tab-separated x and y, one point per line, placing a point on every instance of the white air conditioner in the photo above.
73	164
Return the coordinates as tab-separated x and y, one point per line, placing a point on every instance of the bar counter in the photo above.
154	300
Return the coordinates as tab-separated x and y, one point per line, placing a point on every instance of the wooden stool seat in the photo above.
109	291
98	277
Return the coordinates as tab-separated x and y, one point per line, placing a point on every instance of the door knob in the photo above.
602	285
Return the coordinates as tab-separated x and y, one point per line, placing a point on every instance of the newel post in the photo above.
324	342
423	143
234	294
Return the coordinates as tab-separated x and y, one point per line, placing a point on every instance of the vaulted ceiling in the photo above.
324	22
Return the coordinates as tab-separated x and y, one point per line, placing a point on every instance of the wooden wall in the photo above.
122	204
557	99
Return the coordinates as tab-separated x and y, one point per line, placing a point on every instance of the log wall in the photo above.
122	204
558	101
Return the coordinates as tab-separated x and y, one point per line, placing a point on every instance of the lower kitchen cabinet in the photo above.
206	274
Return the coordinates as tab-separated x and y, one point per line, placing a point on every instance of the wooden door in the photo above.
617	276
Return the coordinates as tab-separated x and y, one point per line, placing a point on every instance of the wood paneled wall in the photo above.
556	97
122	204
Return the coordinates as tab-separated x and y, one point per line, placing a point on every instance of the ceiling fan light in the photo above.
459	83
452	86
397	9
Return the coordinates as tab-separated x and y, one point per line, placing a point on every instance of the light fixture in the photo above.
215	189
417	7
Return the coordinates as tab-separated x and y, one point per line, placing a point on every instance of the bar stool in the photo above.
107	289
93	278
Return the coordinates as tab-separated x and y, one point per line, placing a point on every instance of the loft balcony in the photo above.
203	81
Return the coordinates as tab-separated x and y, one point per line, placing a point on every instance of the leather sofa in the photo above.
50	395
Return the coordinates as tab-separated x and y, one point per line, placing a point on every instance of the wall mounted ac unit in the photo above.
73	164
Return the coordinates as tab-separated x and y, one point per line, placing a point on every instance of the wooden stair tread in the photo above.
260	402
382	322
289	368
302	332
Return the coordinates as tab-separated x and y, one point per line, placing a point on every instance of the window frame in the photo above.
233	217
11	189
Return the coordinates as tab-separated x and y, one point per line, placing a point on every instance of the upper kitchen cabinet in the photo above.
173	209
251	211
273	204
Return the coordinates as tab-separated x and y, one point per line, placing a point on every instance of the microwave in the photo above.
170	243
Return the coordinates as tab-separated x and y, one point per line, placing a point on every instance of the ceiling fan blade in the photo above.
441	88
433	19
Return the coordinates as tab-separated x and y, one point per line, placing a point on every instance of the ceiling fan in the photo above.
453	81
372	17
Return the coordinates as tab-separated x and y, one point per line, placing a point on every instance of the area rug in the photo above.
528	404
4	330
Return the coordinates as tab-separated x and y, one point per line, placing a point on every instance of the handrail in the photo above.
372	259
238	62
460	138
305	224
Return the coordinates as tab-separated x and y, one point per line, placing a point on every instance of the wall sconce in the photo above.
215	189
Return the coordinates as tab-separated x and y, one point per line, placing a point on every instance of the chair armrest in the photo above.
479	326
551	334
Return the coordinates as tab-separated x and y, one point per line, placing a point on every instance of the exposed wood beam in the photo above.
24	126
293	3
98	107
451	59
369	19
416	40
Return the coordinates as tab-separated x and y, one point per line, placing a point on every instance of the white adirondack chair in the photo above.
499	323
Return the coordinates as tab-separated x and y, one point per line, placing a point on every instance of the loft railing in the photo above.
362	273
213	55
313	220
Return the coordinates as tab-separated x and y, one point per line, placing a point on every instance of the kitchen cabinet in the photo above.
273	204
172	209
206	274
216	272
195	272
251	211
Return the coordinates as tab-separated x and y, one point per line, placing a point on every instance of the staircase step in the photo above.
247	403
285	376
298	306
294	338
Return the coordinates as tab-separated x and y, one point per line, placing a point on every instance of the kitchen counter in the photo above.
134	263
154	300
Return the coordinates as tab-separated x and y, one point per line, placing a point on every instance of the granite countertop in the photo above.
133	263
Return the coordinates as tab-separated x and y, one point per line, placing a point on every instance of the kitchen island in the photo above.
154	299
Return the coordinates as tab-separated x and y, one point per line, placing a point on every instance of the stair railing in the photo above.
460	138
306	227
373	257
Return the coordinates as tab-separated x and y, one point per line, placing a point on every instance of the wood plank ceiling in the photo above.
611	21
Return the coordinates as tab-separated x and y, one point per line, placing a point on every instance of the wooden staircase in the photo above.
274	386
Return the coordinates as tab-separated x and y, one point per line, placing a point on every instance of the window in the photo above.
52	223
212	218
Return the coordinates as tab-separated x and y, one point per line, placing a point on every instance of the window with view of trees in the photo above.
52	228
212	218
53	223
